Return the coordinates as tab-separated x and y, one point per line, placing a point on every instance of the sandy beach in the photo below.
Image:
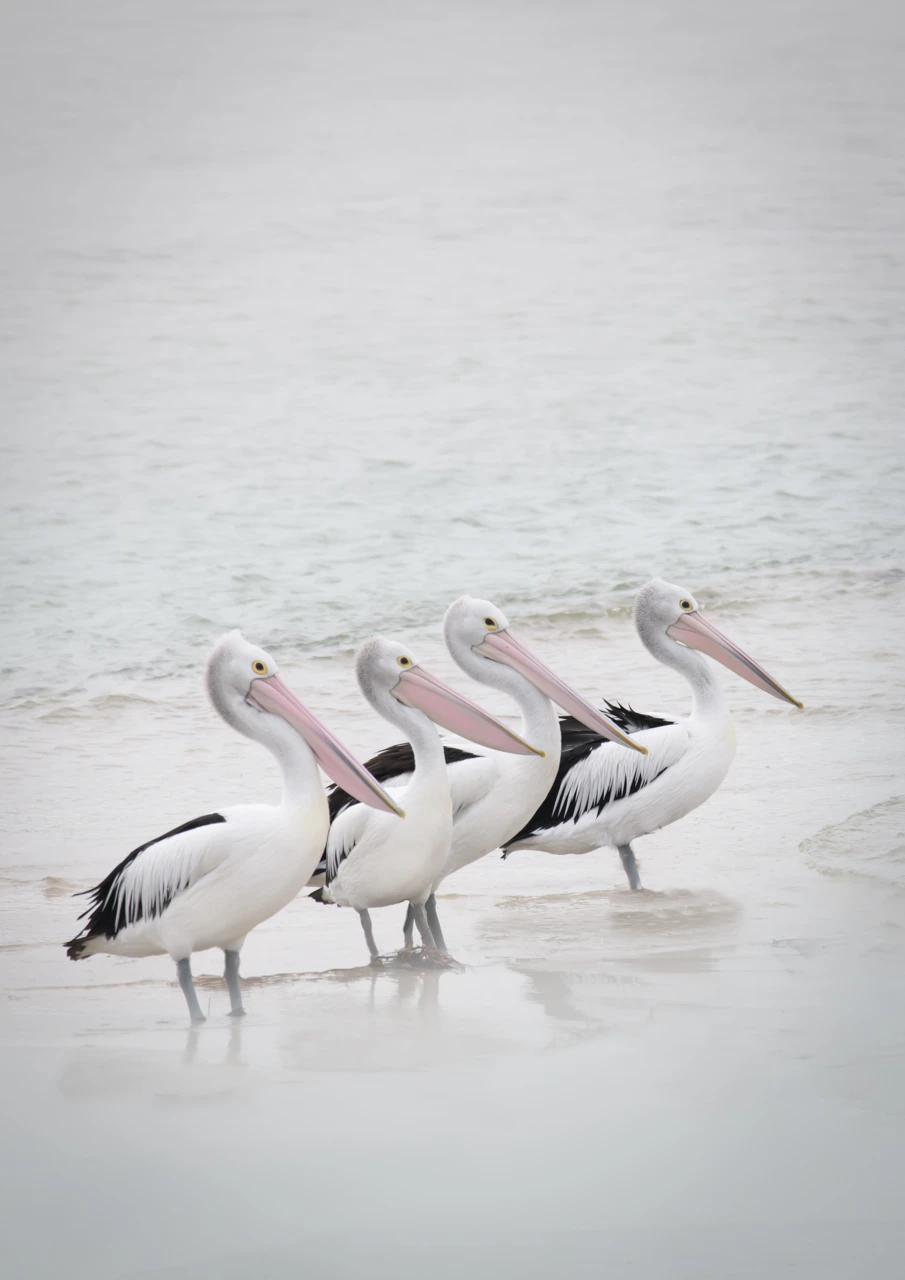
700	1079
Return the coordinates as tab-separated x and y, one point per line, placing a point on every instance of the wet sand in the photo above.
703	1079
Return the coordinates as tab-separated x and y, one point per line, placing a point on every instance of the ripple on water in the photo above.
868	843
622	925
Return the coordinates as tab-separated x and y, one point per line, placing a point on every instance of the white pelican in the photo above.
492	794
372	861
210	881
603	797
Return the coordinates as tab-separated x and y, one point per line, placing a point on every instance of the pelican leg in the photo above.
231	974
430	910
433	951
408	929
365	918
184	973
427	938
630	865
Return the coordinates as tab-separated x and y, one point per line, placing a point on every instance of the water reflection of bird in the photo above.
552	990
410	983
604	797
209	882
233	1055
492	793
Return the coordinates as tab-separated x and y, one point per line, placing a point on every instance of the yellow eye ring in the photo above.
259	667
685	604
404	662
490	624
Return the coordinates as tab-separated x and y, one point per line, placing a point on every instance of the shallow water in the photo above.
311	320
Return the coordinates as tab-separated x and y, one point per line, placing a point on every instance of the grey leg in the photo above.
184	972
231	974
408	928
630	865
430	910
427	938
365	918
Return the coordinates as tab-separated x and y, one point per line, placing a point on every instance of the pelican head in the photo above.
388	671
245	686
479	627
661	608
232	668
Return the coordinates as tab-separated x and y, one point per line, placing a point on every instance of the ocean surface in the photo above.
313	317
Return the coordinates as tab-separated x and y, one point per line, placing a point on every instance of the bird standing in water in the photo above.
208	882
372	861
601	797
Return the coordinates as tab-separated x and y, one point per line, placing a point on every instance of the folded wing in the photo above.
144	884
594	773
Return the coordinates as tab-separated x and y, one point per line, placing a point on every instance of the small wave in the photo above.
59	714
49	886
119	700
57	887
101	702
869	843
10	876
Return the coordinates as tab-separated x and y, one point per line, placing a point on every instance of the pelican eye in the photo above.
685	604
259	667
490	624
404	662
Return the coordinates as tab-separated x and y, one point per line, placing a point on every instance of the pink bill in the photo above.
695	631
271	694
418	688
502	646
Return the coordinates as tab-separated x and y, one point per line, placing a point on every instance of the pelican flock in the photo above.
493	794
392	830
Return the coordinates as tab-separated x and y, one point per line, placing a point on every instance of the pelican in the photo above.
492	794
372	861
602	797
209	882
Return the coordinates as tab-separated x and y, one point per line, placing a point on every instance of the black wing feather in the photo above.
578	741
630	721
104	911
